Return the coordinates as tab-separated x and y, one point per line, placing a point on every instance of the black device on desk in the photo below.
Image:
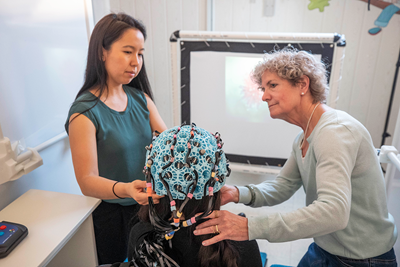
11	234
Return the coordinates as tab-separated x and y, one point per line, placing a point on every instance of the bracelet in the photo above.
253	195
114	191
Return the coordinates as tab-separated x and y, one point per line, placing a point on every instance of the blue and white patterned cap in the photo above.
182	169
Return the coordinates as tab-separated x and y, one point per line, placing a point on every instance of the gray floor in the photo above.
288	253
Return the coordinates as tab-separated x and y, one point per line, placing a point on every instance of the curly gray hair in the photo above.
291	64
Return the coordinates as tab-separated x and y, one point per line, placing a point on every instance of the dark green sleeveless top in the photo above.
121	137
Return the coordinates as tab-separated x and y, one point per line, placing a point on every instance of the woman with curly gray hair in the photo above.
333	158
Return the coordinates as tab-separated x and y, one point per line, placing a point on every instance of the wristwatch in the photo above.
253	195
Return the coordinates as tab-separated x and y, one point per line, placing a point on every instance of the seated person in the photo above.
188	166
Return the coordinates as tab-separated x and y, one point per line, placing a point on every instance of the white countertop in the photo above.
51	218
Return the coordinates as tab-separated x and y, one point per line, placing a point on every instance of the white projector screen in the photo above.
217	94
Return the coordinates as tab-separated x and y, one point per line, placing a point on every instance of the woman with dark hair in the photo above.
188	166
109	124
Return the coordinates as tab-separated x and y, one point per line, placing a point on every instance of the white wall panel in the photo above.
333	21
223	10
100	9
189	15
282	15
294	15
202	18
383	80
259	23
312	19
174	18
161	50
352	22
365	67
115	6
241	15
128	7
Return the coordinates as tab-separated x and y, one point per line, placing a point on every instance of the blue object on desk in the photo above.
11	234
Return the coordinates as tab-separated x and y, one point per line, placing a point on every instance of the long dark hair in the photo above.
221	254
108	30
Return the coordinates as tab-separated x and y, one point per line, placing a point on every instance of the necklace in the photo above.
304	137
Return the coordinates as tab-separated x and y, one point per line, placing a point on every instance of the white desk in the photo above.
60	229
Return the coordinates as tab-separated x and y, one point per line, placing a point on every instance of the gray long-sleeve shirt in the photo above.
346	208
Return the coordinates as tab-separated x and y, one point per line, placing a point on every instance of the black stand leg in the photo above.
385	133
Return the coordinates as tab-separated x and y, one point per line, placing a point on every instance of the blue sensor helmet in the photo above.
186	162
181	157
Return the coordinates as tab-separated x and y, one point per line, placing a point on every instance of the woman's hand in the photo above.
229	193
137	193
229	226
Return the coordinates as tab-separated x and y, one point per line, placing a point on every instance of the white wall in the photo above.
43	57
